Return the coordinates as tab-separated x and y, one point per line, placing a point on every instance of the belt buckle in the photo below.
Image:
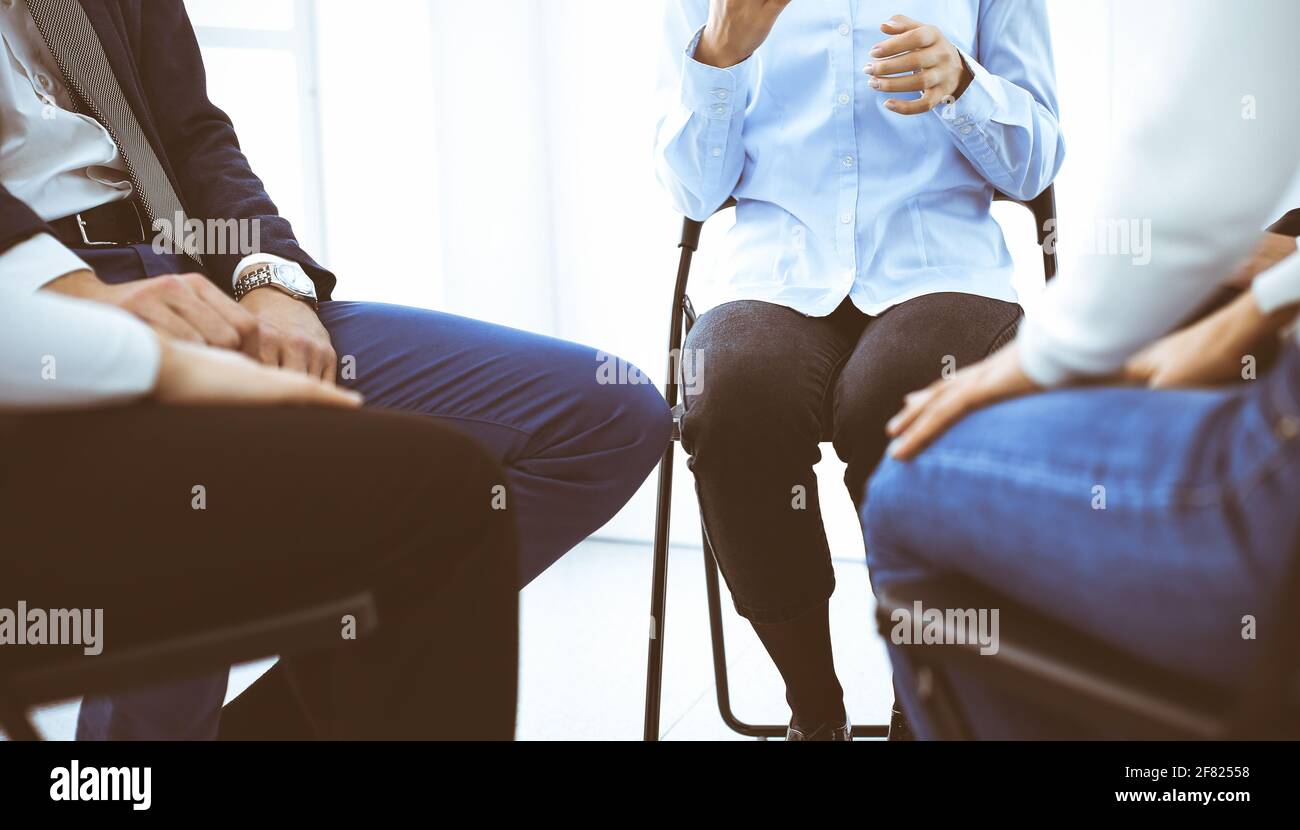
85	237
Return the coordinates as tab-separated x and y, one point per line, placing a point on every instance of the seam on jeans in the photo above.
1180	496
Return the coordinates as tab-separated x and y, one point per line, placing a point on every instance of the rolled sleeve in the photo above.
1279	286
31	264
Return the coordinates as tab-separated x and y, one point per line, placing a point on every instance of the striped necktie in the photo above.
76	49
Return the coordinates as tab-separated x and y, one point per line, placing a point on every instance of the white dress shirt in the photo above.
56	352
1212	145
56	160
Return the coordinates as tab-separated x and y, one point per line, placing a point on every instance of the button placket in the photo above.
845	160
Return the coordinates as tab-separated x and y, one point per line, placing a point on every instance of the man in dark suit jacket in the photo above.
107	138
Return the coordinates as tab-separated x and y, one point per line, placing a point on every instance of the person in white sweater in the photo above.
135	471
1156	520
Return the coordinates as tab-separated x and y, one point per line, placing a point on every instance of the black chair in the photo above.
1043	208
1094	686
62	675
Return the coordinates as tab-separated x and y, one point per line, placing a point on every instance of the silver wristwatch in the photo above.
288	278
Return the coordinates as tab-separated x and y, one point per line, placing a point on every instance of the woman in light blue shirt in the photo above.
864	262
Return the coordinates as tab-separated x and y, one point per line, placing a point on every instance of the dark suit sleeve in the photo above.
17	221
1288	225
214	176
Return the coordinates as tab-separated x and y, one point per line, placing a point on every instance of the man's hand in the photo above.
927	413
290	334
1211	351
925	62
186	307
1271	249
736	28
191	374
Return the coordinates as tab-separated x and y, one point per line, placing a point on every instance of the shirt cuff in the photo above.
977	105
1279	286
1035	350
712	92
29	265
262	259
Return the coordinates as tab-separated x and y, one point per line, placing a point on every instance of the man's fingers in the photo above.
235	315
163	319
211	325
294	355
323	364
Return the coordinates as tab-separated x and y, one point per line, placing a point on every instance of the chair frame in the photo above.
1094	682
301	630
1043	208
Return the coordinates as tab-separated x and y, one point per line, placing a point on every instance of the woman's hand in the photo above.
1210	352
192	374
1271	249
927	413
924	61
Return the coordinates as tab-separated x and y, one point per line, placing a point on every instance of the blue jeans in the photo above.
1192	532
574	449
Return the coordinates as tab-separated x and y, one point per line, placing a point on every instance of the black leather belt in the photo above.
116	223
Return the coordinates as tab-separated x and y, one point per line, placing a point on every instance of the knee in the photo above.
889	507
636	421
740	405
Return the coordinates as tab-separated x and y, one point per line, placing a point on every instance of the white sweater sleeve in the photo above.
1207	158
57	352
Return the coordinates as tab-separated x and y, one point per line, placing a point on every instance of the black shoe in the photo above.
825	732
899	728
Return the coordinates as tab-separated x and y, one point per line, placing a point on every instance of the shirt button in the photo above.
845	29
44	81
848	161
717	152
720	109
845	98
721	93
966	130
846	218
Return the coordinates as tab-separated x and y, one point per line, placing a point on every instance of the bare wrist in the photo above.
712	50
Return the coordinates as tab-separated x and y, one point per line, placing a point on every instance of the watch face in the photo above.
294	279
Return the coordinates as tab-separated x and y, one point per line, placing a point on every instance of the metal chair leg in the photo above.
658	597
721	682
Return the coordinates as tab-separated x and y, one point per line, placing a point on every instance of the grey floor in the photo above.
584	629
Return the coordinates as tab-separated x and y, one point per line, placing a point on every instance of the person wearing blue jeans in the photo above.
1200	488
1159	521
574	449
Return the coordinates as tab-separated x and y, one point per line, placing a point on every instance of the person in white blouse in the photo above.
1151	519
98	504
